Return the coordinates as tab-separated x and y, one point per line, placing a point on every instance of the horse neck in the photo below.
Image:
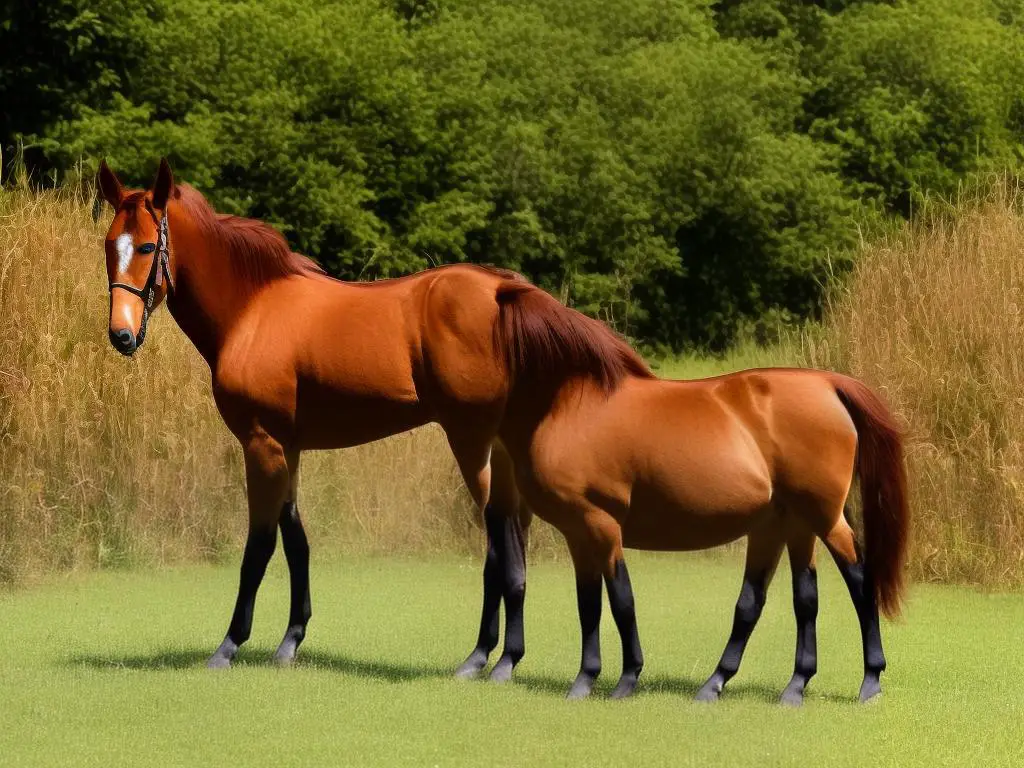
530	404
206	300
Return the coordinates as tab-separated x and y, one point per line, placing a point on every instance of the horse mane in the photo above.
545	342
258	253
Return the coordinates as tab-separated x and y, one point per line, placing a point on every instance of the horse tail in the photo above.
883	485
545	342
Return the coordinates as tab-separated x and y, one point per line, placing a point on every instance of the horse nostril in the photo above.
123	341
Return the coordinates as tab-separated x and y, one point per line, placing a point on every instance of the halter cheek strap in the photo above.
160	270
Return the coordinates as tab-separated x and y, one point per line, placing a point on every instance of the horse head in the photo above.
138	254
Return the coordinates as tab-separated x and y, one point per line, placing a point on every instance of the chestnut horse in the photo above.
302	361
624	459
619	458
544	408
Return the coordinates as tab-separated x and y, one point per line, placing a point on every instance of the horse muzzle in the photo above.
124	341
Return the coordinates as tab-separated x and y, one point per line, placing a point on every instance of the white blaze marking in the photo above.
125	251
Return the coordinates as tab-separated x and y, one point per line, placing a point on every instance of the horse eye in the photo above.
146	248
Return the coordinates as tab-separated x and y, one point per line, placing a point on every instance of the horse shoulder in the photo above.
254	379
581	449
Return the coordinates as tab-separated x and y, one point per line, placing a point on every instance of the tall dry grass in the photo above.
110	462
106	461
933	316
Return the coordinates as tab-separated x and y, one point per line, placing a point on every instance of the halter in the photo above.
157	273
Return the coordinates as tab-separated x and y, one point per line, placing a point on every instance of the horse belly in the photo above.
678	519
327	419
684	532
348	427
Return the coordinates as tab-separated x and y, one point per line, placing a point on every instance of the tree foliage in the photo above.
681	168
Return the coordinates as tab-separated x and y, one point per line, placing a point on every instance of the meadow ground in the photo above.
106	669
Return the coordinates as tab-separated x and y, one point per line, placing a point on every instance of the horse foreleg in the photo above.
763	552
267	483
296	551
620	598
595	542
588	602
259	547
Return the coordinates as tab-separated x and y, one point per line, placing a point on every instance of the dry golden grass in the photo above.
106	461
110	462
932	316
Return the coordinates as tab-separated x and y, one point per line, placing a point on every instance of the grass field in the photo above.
106	670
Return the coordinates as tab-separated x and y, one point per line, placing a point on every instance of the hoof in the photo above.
502	671
793	696
708	695
582	687
217	661
711	691
222	657
870	689
284	657
626	687
472	666
289	647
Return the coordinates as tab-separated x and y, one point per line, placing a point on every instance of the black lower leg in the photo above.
514	595
620	597
748	611
588	601
805	606
858	581
487	638
296	551
258	549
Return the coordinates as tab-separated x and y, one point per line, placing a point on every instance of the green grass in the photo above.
744	355
106	670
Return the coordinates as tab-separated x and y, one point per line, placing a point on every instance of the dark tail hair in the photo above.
544	342
883	485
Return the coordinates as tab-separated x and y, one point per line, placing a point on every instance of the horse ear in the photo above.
109	185
163	186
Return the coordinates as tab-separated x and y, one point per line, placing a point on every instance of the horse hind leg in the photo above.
487	636
842	545
805	607
514	595
504	579
764	548
489	476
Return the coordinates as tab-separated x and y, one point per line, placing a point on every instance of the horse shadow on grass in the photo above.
155	662
195	658
397	673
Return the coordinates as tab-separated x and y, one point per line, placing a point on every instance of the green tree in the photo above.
681	168
916	96
58	56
